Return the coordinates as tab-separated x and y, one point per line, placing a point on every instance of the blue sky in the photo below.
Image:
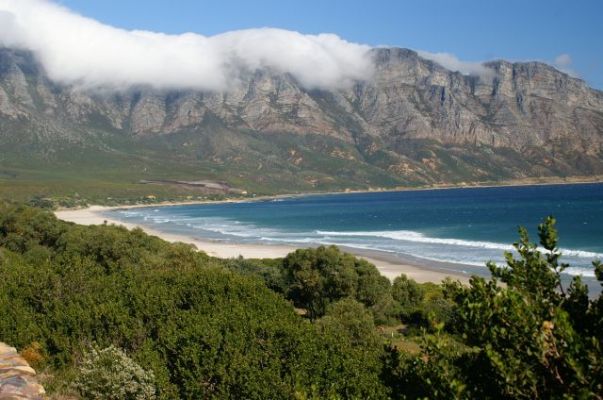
472	30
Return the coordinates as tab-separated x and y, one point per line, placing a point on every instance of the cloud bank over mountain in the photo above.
74	49
80	50
453	63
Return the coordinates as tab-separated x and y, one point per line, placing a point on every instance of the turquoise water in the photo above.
465	227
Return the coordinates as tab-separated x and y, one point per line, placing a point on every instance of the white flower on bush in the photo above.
109	374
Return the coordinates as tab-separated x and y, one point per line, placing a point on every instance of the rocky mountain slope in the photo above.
414	122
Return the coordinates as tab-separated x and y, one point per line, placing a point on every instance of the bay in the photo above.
462	227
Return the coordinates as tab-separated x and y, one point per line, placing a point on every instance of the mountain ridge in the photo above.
413	123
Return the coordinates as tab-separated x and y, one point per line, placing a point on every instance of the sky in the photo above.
566	34
474	30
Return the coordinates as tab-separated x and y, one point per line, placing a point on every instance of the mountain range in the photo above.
413	123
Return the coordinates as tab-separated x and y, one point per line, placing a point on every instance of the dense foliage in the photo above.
524	335
202	330
190	326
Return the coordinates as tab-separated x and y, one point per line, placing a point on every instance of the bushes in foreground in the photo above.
200	329
524	335
191	326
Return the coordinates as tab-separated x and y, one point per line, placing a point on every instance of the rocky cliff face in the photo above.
521	104
415	121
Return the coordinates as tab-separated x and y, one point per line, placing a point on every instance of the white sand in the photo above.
92	216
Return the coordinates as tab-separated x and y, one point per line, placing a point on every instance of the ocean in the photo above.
463	228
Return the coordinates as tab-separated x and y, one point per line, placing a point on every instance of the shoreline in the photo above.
486	185
389	266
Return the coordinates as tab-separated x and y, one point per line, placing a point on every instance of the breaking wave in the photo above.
411	236
402	242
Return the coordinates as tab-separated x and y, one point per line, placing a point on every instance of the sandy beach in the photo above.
388	267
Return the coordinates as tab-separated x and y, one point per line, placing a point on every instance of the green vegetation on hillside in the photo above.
108	169
82	302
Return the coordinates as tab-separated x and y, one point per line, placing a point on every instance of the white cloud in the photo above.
452	62
563	62
78	50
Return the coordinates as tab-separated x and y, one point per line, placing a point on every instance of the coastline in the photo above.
390	267
581	180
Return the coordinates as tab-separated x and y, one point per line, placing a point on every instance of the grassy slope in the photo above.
114	166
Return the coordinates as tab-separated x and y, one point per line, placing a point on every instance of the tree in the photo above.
350	318
524	335
408	294
351	363
375	292
317	277
529	329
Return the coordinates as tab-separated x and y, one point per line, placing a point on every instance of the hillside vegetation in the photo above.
414	123
107	313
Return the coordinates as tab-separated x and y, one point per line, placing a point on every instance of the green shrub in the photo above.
409	295
315	278
109	374
350	318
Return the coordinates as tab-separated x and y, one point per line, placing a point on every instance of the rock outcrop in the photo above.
17	378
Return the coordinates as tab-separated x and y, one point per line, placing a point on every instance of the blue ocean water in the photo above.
461	226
